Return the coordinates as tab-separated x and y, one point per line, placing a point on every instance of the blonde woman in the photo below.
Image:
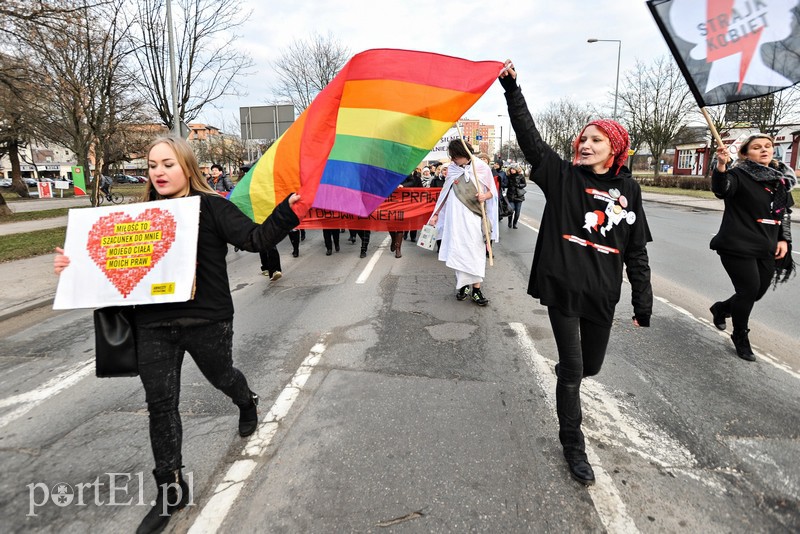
203	326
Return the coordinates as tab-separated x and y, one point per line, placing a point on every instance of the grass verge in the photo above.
28	244
34	215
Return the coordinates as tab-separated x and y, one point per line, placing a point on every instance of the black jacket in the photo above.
592	225
748	228
221	222
516	187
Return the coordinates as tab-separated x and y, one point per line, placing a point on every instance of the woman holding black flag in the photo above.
754	238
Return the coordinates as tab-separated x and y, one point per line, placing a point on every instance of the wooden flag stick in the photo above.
711	126
487	232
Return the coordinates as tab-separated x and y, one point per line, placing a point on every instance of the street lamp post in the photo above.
508	143
619	55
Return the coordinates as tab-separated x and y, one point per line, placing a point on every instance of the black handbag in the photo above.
115	343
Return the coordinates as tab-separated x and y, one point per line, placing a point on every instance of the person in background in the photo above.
459	220
219	181
426	177
754	238
593	224
440	176
271	264
105	186
502	176
413	180
515	194
202	326
331	238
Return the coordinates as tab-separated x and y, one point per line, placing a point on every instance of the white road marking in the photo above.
362	278
605	496
225	494
765	356
54	386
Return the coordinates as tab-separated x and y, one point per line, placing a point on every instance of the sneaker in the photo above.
275	276
265	273
478	298
462	293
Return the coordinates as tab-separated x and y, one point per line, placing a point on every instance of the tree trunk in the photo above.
17	185
5	211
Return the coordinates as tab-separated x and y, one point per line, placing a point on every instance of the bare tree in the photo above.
306	66
15	129
767	112
81	61
208	64
656	102
560	122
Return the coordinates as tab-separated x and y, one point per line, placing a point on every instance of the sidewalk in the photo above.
30	283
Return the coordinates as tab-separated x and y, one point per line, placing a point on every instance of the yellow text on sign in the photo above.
128	263
167	288
129	250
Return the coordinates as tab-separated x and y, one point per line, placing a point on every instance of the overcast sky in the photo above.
546	39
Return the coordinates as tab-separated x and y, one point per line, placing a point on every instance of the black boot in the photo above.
173	495
742	343
568	407
248	416
397	241
718	316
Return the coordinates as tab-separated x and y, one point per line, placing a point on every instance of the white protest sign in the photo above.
135	254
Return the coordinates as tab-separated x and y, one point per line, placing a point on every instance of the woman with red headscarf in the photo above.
593	224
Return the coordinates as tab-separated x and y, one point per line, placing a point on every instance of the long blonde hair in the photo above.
188	162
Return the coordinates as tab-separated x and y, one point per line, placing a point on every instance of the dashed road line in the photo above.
29	400
606	498
364	276
225	494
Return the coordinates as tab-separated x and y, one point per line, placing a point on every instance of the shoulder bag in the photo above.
115	343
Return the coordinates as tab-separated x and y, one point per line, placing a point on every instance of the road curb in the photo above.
24	307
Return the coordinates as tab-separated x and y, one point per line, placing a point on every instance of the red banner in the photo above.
407	208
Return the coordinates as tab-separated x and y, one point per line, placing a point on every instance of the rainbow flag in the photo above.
365	132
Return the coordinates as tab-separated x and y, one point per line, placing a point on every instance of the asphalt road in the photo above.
390	406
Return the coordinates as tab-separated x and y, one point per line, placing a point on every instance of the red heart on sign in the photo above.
126	248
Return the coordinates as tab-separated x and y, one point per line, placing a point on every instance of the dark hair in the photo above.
218	167
456	149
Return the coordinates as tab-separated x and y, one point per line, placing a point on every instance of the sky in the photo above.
546	39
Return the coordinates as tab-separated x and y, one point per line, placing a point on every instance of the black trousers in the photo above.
331	238
363	234
270	260
161	349
581	350
751	278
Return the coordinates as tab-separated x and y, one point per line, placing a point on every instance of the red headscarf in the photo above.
617	136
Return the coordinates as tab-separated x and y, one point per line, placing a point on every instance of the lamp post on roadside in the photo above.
508	148
619	55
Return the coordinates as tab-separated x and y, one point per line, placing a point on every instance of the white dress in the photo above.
463	248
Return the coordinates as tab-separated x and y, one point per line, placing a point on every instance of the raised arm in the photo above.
528	137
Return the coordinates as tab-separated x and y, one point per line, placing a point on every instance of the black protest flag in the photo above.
732	50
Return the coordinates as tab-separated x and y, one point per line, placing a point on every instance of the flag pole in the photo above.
713	128
486	229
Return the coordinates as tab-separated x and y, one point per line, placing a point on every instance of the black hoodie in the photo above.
592	225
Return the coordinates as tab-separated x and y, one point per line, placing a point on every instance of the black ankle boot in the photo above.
581	471
248	416
173	495
742	343
718	316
